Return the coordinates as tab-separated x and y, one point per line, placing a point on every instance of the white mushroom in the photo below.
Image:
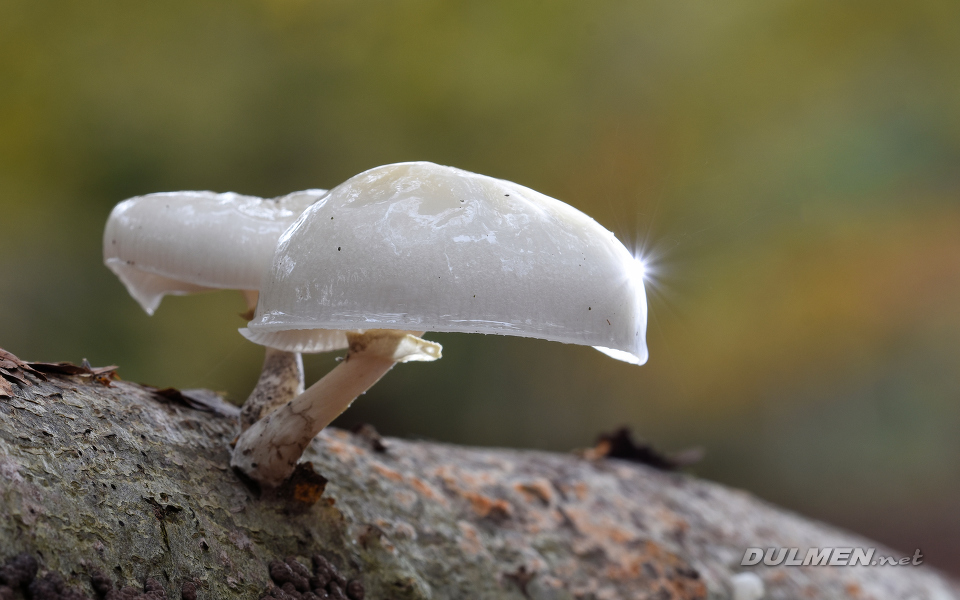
186	242
414	247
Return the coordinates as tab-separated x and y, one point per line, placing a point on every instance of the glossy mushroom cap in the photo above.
422	247
185	242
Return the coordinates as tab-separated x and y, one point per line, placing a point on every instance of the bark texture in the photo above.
135	482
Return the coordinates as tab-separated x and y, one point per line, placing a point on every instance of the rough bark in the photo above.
135	482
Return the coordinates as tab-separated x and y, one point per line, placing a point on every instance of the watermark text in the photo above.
830	557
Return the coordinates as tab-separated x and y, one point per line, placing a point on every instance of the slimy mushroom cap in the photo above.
186	242
418	246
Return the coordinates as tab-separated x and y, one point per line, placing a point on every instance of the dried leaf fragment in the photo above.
620	444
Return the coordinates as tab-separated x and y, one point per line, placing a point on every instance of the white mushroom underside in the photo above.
186	242
417	246
308	341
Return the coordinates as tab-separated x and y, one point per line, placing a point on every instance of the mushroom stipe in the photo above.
268	451
281	380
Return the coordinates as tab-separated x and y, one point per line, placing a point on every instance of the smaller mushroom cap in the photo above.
184	242
422	247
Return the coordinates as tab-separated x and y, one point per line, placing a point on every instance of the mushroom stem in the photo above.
268	451
281	378
280	381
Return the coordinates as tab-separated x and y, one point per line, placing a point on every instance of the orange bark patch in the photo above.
345	452
485	506
538	489
427	490
598	526
386	471
579	490
467	486
660	571
423	488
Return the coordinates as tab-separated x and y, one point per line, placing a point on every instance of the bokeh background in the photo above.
791	167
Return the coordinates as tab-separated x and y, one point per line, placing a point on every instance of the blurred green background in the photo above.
791	166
